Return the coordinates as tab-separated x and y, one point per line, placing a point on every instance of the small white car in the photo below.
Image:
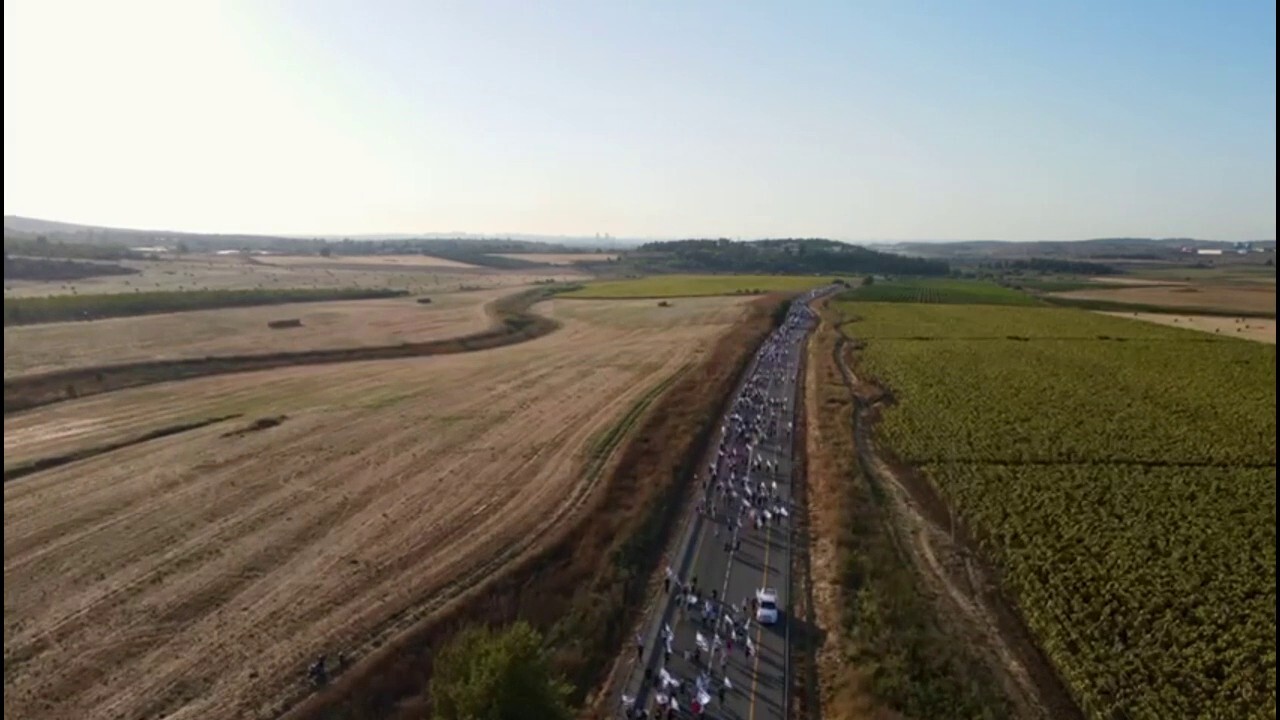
766	606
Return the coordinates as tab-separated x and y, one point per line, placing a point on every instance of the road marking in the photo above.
764	582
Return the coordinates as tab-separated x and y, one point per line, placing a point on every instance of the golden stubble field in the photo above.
233	272
1246	328
231	331
1239	297
561	258
196	575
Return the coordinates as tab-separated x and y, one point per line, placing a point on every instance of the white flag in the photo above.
702	642
704	699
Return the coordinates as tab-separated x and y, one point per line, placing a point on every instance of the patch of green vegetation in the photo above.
23	268
63	308
40	247
1114	306
796	256
975	292
488	673
657	286
1122	477
912	321
1250	272
1054	284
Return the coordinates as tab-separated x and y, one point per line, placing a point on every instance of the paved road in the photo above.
738	542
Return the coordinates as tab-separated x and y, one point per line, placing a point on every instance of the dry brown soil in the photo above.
194	576
235	331
1248	328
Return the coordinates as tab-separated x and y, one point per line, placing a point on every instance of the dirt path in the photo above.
939	546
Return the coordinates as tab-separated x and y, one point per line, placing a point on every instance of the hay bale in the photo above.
283	324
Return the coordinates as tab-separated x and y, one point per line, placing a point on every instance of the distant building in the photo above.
1208	251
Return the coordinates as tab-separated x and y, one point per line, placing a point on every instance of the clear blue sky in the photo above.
861	120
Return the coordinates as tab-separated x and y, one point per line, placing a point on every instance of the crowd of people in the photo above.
740	495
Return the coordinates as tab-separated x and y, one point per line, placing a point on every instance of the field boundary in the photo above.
48	309
49	462
512	322
1118	306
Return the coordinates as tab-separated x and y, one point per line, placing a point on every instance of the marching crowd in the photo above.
740	494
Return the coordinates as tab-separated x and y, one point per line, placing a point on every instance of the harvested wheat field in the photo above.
233	331
196	575
560	258
233	272
374	260
1228	298
1250	328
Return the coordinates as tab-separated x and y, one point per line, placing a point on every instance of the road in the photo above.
738	541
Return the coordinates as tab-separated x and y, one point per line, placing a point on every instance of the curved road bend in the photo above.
738	542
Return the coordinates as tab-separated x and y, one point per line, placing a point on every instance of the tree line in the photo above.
798	256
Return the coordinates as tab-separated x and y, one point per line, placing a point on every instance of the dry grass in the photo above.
390	261
221	272
844	690
560	258
233	331
195	575
1228	298
1257	329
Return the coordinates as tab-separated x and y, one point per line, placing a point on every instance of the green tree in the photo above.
487	674
325	251
868	280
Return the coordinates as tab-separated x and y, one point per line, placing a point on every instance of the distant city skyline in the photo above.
874	122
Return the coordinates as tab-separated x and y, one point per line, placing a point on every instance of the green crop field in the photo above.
656	286
60	308
1121	475
931	290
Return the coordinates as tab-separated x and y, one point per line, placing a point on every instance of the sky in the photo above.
866	121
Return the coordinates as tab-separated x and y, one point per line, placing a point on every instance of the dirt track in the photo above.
195	575
964	589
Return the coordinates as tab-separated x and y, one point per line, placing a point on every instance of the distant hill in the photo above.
797	256
19	226
470	249
1096	249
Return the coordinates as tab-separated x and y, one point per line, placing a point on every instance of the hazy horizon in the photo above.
889	122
